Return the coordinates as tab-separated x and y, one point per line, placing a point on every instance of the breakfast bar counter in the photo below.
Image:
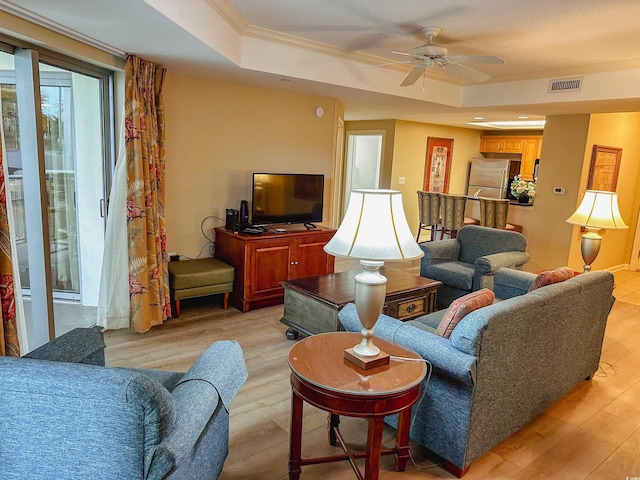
519	214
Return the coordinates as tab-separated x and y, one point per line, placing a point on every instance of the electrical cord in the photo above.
211	244
602	370
408	359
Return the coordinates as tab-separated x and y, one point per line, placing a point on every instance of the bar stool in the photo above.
429	208
453	219
493	213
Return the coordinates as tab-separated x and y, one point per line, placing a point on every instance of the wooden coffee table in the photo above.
311	304
321	377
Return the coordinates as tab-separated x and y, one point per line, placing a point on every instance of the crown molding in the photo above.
236	21
229	14
56	27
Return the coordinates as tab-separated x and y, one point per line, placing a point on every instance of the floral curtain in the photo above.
144	137
9	344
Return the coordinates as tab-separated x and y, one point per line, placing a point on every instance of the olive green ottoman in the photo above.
199	278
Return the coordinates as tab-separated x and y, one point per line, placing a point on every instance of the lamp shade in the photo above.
374	228
598	209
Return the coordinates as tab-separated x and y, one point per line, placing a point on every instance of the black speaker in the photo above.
244	213
232	219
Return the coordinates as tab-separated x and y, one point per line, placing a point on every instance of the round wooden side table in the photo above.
322	377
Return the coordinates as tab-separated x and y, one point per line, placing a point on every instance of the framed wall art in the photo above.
605	166
437	167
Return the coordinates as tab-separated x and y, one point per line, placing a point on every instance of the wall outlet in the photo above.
401	180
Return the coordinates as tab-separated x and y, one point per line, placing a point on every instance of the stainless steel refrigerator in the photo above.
491	177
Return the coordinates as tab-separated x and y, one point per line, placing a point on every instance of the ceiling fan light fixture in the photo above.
428	50
431	55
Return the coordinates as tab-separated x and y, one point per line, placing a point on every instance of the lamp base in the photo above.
366	362
589	247
369	296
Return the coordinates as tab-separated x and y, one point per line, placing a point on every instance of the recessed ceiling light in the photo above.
533	124
478	118
522	117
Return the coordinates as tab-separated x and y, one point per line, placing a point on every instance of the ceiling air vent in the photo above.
565	85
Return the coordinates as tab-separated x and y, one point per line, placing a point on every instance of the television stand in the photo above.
262	262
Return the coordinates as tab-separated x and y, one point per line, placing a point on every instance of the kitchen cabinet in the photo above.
530	152
496	144
527	146
262	262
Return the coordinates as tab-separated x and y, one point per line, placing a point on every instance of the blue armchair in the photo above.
83	420
468	262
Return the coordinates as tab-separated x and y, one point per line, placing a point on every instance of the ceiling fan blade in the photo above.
413	76
403	62
475	59
464	71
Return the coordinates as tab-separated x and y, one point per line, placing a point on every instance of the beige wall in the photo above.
565	162
561	163
219	133
410	148
614	130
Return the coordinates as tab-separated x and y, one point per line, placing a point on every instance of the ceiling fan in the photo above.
431	55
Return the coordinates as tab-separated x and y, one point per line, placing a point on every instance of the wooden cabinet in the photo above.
528	146
530	152
496	144
262	262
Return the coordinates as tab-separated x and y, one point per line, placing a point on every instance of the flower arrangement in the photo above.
522	188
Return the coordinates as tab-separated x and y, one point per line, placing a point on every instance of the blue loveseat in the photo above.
503	364
64	415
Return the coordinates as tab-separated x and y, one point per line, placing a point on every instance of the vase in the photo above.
523	199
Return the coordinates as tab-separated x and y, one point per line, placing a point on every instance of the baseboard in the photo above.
618	268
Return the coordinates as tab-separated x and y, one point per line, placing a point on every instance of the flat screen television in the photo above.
287	198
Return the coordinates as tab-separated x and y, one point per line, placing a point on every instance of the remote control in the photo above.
253	231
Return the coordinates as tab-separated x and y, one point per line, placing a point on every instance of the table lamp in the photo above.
597	210
374	230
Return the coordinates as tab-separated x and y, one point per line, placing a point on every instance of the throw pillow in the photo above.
462	306
551	276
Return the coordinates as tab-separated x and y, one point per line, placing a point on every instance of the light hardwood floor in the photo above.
591	433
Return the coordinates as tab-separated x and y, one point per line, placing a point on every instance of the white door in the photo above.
364	160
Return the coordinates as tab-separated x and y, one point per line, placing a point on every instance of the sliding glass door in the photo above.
71	160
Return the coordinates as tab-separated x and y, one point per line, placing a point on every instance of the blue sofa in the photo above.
468	262
503	364
62	419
